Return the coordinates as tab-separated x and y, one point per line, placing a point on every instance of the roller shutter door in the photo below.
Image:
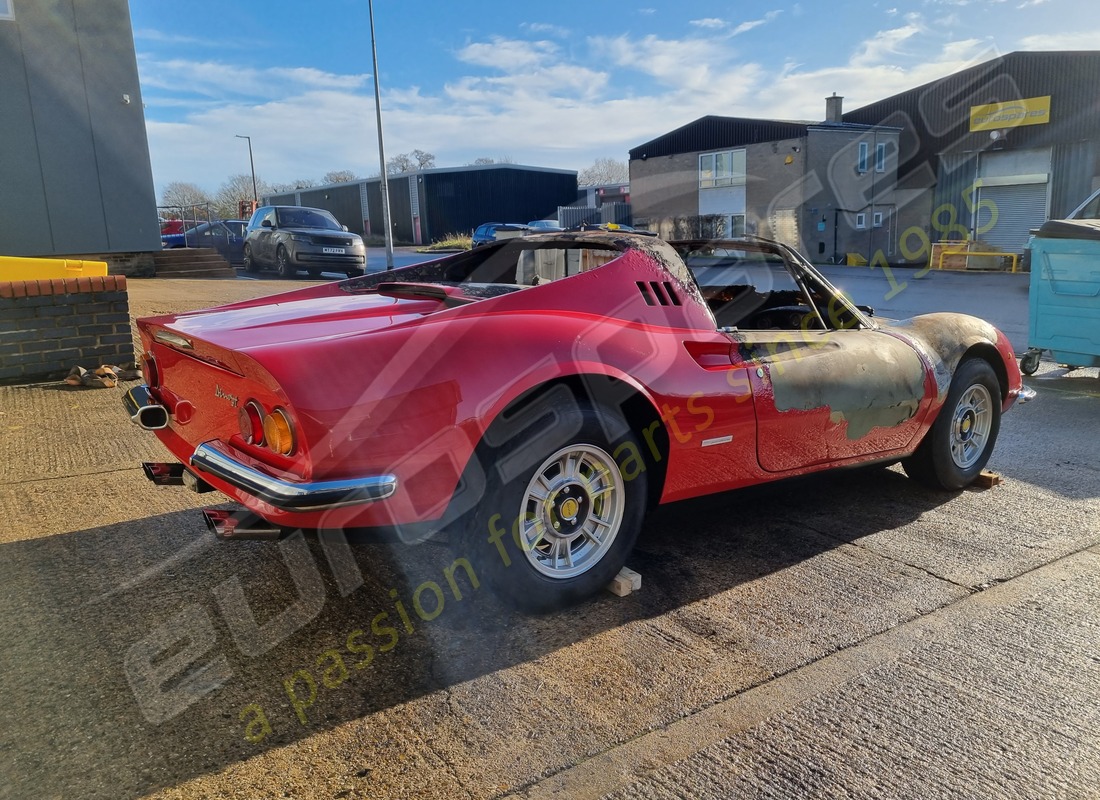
1019	207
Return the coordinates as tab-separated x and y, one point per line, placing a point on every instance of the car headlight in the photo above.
300	237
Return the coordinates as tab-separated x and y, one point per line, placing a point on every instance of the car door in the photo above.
262	239
829	395
826	384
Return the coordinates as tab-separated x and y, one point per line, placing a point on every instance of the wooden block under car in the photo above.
625	582
987	479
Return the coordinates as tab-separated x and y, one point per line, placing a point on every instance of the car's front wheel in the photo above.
282	263
960	441
559	516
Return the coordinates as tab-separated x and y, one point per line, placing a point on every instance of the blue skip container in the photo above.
1064	300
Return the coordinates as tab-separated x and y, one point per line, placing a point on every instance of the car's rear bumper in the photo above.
212	458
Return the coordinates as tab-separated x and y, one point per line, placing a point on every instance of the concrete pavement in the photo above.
849	635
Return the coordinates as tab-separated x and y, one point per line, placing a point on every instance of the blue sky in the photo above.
550	84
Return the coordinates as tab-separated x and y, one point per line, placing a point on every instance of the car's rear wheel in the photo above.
958	445
250	264
282	263
558	517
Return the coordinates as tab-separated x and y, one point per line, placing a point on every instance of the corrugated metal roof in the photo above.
712	133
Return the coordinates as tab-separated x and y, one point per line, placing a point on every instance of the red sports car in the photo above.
537	394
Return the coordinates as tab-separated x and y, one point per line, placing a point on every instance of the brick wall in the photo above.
49	326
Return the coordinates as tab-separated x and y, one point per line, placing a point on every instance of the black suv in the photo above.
293	238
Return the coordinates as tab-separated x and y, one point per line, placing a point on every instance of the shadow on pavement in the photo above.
78	712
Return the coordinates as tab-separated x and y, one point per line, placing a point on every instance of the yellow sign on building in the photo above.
1011	114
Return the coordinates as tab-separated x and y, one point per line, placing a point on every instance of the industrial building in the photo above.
996	149
824	188
986	154
74	157
430	204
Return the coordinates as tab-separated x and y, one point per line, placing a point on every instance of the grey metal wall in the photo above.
400	208
342	201
460	200
74	157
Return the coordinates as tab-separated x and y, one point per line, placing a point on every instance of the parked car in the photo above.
611	226
537	394
294	238
495	231
544	226
173	226
224	235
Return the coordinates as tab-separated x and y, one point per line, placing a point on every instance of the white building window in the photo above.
861	220
722	169
880	157
861	164
876	220
6	9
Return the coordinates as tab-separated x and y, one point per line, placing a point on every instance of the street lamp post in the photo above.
252	165
384	186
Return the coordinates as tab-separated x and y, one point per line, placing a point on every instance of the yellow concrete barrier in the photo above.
17	268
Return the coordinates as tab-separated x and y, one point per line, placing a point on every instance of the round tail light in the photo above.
150	372
251	420
278	432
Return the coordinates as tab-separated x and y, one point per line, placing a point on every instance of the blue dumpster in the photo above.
1065	295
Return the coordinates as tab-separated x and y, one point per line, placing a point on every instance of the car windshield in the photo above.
306	218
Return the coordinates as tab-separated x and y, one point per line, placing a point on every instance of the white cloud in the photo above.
1071	40
708	22
756	23
545	27
1030	3
506	54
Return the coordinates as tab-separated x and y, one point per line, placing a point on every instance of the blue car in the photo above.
493	231
224	235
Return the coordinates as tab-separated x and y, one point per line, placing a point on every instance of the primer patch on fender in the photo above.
867	379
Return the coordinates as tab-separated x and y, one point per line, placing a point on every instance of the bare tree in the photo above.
339	176
235	189
604	171
178	193
402	162
424	159
410	162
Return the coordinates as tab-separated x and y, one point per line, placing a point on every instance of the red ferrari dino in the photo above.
536	394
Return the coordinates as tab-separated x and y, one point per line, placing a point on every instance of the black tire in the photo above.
282	263
958	445
249	263
565	566
1029	361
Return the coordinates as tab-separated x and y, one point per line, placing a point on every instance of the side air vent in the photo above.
656	293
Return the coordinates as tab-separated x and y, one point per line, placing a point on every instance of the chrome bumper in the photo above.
291	495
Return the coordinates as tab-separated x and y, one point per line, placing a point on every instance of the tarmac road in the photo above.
848	635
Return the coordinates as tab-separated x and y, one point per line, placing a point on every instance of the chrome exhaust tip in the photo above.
142	411
152	418
239	524
163	474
